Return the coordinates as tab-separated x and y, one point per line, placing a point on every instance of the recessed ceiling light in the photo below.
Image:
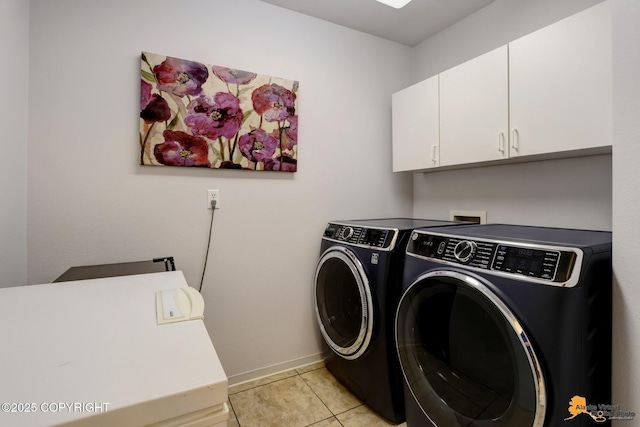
395	3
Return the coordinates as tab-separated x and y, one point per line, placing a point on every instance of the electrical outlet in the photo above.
213	195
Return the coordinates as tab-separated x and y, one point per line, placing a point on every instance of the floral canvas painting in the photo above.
198	115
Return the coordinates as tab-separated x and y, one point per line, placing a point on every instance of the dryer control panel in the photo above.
547	264
369	237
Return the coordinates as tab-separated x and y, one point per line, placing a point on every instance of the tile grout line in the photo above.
255	387
318	396
235	415
263	384
320	399
294	373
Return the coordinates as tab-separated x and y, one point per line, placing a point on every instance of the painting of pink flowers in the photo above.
198	115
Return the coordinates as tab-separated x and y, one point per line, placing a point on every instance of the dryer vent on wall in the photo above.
474	217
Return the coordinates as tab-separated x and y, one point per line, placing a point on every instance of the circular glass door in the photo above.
343	302
464	355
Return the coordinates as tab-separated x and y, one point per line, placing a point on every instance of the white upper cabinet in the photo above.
545	95
416	126
560	82
474	110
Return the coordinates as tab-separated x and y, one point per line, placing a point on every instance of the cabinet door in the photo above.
474	102
561	85
416	126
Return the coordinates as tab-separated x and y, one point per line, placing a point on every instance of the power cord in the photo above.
206	256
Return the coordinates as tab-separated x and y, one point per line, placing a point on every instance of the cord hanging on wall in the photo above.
206	255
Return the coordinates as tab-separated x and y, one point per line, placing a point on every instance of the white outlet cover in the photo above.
213	195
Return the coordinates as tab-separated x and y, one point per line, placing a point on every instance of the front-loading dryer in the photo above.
358	283
503	325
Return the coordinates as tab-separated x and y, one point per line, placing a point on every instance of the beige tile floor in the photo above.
308	396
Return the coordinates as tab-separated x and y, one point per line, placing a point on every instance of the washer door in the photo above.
464	355
343	302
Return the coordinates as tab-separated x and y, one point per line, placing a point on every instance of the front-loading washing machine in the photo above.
503	325
358	283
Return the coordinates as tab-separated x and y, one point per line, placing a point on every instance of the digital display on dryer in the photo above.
428	245
375	237
526	261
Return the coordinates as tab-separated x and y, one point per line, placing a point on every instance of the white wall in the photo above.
14	72
626	205
572	193
564	193
90	202
496	24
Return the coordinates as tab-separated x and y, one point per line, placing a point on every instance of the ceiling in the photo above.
410	25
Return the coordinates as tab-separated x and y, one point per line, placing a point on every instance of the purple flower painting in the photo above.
208	116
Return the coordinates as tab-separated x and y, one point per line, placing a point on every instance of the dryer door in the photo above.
343	302
464	355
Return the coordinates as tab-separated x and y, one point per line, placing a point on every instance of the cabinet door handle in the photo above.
501	142
515	143
433	153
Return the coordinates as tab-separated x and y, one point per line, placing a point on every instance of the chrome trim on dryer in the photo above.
389	248
361	344
572	281
477	284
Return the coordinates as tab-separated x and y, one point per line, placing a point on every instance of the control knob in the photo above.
346	233
465	250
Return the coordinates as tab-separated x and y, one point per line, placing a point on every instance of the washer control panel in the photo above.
540	262
370	237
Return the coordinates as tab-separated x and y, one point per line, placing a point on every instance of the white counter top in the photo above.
96	342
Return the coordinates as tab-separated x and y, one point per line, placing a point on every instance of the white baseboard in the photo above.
275	369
